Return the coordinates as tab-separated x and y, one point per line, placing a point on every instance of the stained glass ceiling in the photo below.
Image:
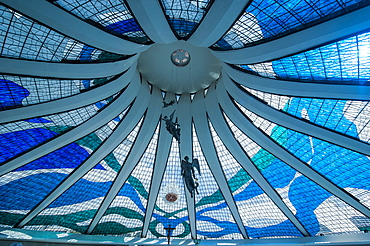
281	129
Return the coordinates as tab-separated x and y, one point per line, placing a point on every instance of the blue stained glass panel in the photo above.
364	55
184	16
124	26
11	94
73	154
182	27
171	211
125	214
10	144
22	189
343	62
27	192
345	168
24	38
304	194
275	223
21	136
112	16
38	120
314	60
328	113
317	209
266	19
76	206
260	215
345	116
17	91
214	219
348	57
97	189
276	17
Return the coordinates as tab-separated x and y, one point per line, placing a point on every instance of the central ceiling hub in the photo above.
180	57
179	67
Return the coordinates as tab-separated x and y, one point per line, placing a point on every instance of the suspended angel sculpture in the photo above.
172	127
165	104
188	174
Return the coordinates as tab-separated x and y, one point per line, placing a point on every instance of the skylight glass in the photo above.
345	116
85	147
113	16
214	219
24	38
342	62
184	16
48	172
260	215
18	137
23	91
126	213
69	214
348	173
264	19
171	206
319	211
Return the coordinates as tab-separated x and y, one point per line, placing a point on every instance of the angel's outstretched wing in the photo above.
165	104
196	165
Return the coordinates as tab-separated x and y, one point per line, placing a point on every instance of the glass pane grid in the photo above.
320	212
116	159
343	62
21	136
344	116
344	167
266	20
184	16
18	91
245	30
38	178
23	38
171	208
112	16
261	217
214	219
75	208
125	214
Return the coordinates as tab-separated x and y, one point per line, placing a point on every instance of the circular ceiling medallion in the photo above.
171	197
180	57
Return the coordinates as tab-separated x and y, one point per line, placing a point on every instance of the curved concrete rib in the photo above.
293	123
72	26
269	145
299	89
220	17
186	149
160	163
64	70
223	130
142	140
100	119
150	16
317	35
209	151
120	133
72	102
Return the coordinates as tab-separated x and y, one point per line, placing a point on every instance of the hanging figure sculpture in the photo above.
188	175
172	127
165	104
